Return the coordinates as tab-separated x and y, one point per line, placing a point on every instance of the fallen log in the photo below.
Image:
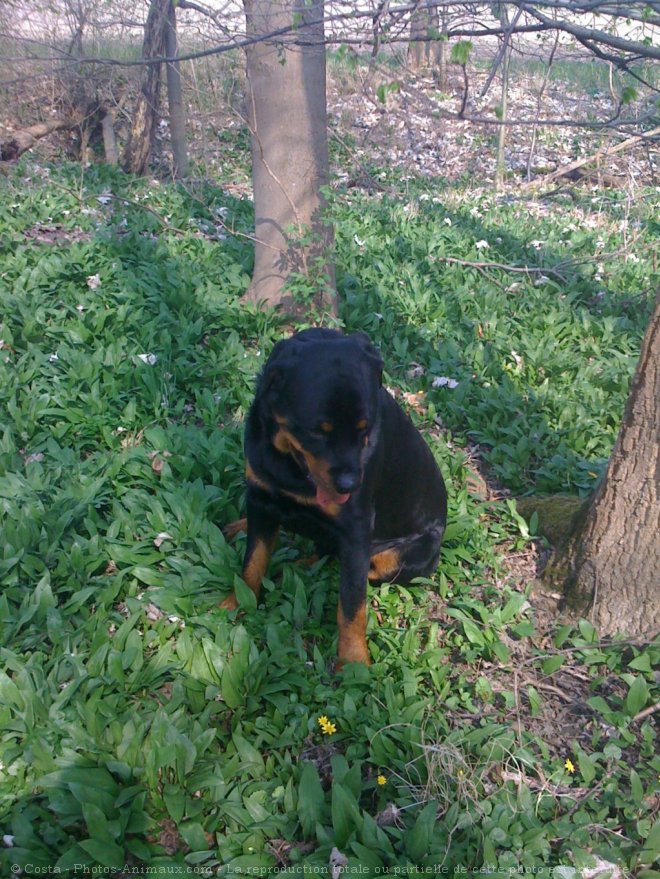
602	153
19	142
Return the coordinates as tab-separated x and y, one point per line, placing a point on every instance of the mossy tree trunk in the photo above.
286	108
612	563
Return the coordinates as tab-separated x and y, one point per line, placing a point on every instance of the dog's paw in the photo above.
353	652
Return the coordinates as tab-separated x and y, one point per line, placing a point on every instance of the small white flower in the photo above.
441	381
94	282
536	244
150	359
8	840
358	241
482	245
447	221
161	538
53	358
476	213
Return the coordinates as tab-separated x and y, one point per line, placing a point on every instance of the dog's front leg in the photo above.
262	531
352	607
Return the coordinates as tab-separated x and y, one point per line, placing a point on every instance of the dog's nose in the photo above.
347	481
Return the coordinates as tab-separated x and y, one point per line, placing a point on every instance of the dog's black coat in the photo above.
330	455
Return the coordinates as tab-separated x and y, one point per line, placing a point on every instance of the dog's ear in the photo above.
273	376
370	353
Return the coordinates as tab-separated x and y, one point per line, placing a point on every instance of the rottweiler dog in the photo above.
330	455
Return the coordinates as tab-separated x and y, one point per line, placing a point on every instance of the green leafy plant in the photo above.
140	726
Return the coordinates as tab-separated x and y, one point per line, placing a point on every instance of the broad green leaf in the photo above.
310	799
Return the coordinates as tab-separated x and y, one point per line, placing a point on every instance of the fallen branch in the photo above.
647	712
602	153
21	141
525	270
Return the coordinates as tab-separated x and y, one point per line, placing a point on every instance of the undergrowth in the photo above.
141	726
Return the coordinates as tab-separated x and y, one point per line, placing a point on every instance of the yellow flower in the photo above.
327	727
568	766
381	779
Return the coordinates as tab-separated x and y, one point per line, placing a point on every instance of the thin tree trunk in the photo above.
443	53
613	561
377	26
175	98
287	119
145	116
500	164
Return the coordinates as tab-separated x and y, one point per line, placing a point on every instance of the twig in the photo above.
646	712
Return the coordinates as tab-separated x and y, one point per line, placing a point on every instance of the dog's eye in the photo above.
322	431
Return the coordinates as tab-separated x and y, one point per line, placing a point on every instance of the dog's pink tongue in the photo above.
325	498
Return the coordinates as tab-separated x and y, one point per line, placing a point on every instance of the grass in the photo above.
140	726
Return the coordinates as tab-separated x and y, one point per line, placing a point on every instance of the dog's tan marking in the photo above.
252	477
310	501
384	565
352	645
254	569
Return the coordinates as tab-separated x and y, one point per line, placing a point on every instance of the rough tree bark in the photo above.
145	117
175	98
612	562
286	109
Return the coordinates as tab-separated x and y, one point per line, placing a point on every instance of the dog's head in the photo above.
319	392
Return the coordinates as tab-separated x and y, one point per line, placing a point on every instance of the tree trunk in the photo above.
287	118
500	164
145	116
441	76
175	98
377	26
613	561
423	51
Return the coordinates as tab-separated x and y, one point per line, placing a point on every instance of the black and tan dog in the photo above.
330	455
